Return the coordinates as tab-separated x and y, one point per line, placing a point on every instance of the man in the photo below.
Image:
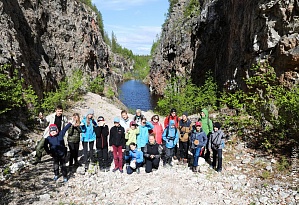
185	128
60	121
125	121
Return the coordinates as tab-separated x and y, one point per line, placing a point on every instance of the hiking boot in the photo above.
138	171
170	164
219	170
55	178
107	169
114	170
121	171
194	169
65	179
102	169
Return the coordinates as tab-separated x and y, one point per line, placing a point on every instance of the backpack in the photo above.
175	132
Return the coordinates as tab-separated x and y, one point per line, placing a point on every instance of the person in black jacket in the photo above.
102	132
152	154
117	142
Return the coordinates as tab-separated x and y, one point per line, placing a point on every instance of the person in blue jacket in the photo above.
142	138
54	145
88	136
198	140
136	159
170	136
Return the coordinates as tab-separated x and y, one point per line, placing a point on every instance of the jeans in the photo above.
85	151
169	152
60	161
196	154
74	149
183	150
118	157
103	157
218	153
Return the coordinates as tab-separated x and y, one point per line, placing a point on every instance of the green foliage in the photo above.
110	93
6	171
185	96
192	9
155	45
13	94
171	5
97	85
283	164
266	174
141	66
117	48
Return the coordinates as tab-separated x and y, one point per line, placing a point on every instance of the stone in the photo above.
10	153
263	200
17	166
246	161
269	168
227	201
44	197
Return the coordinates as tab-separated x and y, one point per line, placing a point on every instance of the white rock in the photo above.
227	201
10	153
44	197
245	161
273	161
264	200
17	166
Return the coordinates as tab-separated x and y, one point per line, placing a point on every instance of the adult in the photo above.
171	137
124	120
185	128
117	142
88	136
215	145
138	117
60	121
158	128
152	154
207	127
102	132
198	140
73	138
173	116
142	138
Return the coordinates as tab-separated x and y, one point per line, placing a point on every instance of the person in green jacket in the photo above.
131	136
207	127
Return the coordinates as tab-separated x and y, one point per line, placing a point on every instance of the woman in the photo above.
158	129
88	136
142	138
73	140
152	154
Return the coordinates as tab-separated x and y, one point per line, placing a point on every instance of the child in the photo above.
73	139
135	157
198	140
171	137
54	145
102	132
88	136
215	145
118	142
131	136
152	154
142	138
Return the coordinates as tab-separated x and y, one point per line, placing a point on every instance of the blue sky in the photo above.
135	23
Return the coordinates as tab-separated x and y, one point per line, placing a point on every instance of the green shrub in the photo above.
192	8
110	93
97	85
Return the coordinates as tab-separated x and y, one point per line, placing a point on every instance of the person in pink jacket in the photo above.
158	129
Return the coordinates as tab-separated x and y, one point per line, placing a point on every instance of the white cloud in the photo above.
120	4
139	39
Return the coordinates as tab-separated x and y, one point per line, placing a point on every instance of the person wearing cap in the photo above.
135	158
215	145
144	129
102	132
170	136
131	136
173	116
185	127
117	142
55	146
124	120
73	138
60	121
138	117
198	141
88	136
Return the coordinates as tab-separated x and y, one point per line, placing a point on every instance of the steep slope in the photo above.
48	40
227	38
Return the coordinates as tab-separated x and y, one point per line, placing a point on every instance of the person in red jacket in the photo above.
173	116
158	129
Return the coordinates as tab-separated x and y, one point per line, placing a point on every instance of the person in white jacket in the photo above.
60	121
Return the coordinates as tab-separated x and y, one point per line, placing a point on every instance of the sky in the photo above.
136	23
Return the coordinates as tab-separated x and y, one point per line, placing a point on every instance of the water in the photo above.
136	95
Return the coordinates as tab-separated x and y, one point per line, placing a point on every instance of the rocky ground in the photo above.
248	177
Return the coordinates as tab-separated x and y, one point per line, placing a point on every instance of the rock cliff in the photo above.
227	37
47	40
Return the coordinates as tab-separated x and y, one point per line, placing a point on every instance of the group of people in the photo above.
134	143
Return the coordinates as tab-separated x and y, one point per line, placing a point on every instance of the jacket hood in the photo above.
206	112
171	122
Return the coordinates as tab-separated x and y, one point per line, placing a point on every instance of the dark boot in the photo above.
194	169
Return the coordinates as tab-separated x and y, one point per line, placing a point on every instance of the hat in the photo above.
132	123
116	119
172	110
198	124
185	113
53	127
217	124
101	118
90	112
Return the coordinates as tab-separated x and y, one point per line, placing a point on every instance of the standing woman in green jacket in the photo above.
74	140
